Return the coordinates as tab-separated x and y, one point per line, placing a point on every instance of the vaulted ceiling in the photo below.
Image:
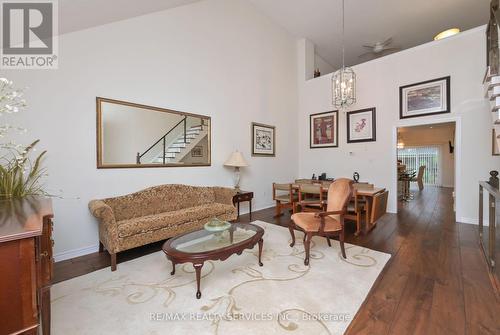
408	22
82	14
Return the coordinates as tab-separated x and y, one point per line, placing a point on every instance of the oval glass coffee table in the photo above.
202	245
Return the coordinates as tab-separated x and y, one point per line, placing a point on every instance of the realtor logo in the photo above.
29	34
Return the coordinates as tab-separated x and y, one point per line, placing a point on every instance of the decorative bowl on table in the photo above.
217	225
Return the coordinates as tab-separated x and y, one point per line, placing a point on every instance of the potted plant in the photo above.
20	174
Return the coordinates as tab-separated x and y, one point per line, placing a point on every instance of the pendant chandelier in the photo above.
344	79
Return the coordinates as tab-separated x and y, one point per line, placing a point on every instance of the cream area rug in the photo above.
238	296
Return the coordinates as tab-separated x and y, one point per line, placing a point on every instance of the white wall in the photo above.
463	58
219	58
321	64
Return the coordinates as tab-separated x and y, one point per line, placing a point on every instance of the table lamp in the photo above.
236	160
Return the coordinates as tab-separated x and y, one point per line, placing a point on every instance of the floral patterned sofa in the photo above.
157	213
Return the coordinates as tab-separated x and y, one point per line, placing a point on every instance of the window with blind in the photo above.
430	156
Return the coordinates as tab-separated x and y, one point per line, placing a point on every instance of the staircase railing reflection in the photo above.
163	139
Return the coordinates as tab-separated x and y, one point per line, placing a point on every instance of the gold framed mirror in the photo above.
131	135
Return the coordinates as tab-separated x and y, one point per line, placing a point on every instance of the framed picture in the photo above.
425	98
495	147
197	151
361	126
324	130
263	140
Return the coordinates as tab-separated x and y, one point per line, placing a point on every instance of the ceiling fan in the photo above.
380	48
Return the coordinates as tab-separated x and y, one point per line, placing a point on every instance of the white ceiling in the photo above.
81	14
409	22
442	127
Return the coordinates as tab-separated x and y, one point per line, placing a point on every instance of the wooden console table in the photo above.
243	196
489	201
25	265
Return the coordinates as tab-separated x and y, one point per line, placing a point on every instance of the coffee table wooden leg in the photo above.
261	242
173	268
197	268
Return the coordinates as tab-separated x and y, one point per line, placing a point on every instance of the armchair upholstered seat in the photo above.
327	223
308	222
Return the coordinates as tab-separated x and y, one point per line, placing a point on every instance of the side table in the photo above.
242	196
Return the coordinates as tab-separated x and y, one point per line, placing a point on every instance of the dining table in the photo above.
364	193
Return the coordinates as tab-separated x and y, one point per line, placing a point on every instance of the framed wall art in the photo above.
425	98
324	130
263	140
197	151
361	125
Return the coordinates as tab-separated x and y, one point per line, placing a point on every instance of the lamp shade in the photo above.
236	159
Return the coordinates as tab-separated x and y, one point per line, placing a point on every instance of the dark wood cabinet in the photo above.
26	262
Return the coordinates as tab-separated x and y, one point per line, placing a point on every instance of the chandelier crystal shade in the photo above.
343	80
344	87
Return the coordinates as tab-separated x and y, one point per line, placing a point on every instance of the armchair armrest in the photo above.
108	230
224	195
323	214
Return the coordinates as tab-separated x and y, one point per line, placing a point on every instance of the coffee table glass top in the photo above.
205	241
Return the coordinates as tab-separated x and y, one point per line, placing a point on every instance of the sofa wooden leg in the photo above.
113	262
101	247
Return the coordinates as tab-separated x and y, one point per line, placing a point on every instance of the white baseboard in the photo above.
473	221
62	256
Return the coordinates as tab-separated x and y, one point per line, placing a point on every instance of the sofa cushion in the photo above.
179	217
159	199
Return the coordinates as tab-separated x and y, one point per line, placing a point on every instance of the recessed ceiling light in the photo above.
446	33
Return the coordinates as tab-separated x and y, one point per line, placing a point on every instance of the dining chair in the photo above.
304	181
419	179
284	196
329	223
310	198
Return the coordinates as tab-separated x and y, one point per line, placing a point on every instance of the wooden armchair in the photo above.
284	196
329	223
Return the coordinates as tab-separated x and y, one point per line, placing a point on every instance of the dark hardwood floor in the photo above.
435	283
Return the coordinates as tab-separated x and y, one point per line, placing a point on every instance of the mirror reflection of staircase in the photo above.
175	145
177	150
